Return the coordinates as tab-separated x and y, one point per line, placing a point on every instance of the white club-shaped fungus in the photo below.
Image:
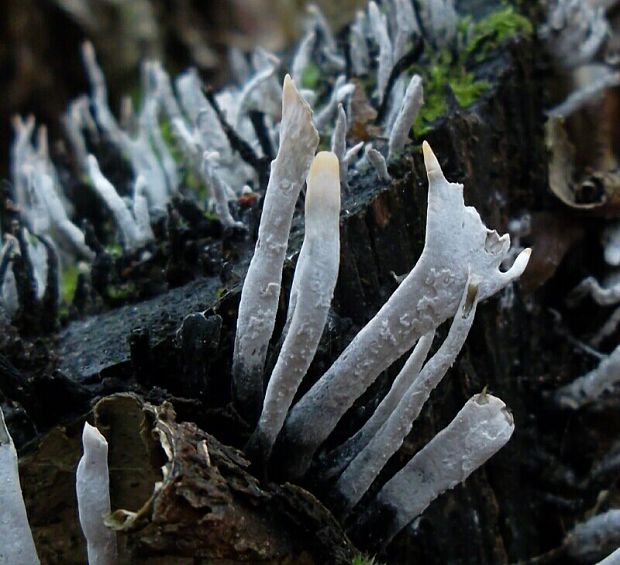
481	428
261	289
311	295
92	484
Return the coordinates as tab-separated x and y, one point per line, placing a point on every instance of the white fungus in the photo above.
17	547
313	289
92	484
261	288
458	245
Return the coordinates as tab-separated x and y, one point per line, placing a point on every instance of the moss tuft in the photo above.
440	75
69	282
490	32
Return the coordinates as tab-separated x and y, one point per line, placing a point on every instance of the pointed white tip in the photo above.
92	438
518	267
430	161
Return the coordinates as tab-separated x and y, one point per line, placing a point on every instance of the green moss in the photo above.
121	293
310	77
114	250
490	32
69	282
441	74
364	560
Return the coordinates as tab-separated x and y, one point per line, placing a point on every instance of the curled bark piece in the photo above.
313	287
458	245
481	428
17	544
261	289
92	484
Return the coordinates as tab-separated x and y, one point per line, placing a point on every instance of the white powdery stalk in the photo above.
248	99
217	187
341	91
366	466
585	95
592	539
261	289
92	484
574	32
131	236
239	67
378	26
313	289
412	102
141	210
611	244
458	245
103	114
303	56
604	296
378	162
441	20
17	547
353	152
340	457
360	59
330	48
406	26
339	145
163	87
612	559
592	386
481	428
22	153
73	124
44	188
149	124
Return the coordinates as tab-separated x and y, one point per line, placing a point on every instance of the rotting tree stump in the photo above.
514	508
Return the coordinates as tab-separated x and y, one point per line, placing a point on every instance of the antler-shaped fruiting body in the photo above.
92	484
17	544
261	289
367	465
457	246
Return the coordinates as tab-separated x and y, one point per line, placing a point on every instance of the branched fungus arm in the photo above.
457	245
367	465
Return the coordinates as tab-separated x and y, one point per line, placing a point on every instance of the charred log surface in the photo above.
505	512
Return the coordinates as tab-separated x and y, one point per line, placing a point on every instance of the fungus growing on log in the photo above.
457	246
16	543
261	289
92	484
